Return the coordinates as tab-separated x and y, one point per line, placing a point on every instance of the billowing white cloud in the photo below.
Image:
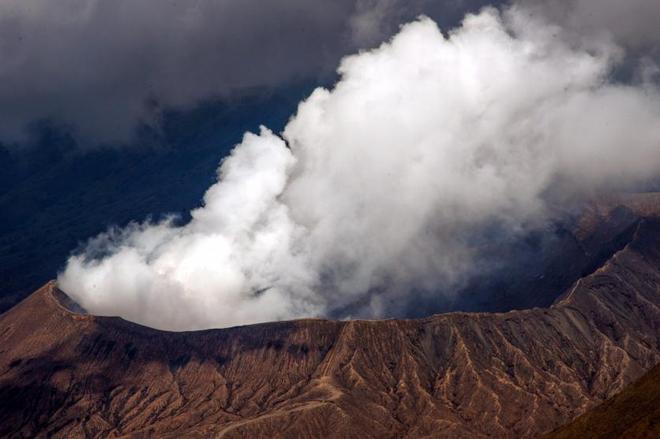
375	188
239	243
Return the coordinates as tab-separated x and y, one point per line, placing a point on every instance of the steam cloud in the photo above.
374	188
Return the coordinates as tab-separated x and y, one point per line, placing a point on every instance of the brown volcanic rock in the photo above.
514	374
632	414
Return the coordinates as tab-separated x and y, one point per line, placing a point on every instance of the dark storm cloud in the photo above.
630	23
99	67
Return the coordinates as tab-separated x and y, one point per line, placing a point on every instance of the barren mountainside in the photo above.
457	375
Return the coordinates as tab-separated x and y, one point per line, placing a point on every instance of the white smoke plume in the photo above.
375	187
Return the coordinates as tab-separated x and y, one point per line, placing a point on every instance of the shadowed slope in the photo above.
633	414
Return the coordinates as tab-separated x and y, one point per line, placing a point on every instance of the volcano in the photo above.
64	373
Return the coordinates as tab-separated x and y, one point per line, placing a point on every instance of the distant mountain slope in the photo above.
632	414
458	375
